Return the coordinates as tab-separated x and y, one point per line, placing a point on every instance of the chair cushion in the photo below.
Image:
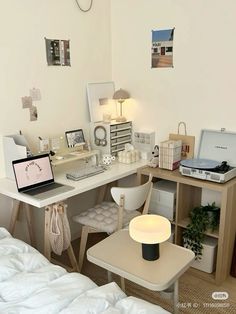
104	217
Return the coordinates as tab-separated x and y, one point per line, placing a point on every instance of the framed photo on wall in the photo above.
162	48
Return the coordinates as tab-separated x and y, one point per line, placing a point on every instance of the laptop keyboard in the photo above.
44	189
84	173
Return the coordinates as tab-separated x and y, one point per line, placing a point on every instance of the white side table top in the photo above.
121	255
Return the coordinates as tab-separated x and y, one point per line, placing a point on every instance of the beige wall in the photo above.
200	89
23	26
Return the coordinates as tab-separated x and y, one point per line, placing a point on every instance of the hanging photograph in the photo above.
162	48
58	52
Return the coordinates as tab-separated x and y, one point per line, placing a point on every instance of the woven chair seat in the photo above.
104	217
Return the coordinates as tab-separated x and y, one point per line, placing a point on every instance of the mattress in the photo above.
29	283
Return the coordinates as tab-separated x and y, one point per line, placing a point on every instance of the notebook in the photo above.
34	177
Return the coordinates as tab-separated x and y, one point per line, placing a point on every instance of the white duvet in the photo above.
29	283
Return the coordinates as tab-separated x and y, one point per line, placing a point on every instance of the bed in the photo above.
29	283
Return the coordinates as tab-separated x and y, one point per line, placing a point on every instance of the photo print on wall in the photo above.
162	48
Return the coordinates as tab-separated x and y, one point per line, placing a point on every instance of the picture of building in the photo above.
162	48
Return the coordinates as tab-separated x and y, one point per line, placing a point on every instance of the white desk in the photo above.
121	255
116	172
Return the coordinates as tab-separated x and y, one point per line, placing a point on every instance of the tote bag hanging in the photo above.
188	142
59	230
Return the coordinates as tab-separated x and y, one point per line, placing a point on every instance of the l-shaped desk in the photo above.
115	172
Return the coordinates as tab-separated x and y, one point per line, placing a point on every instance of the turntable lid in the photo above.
198	163
218	145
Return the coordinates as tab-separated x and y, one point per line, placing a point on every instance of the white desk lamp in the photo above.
121	95
150	230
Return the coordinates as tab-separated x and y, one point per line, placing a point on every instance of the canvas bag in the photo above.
188	141
59	229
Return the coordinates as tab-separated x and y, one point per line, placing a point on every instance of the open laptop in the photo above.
34	177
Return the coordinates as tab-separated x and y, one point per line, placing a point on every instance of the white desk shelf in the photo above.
69	157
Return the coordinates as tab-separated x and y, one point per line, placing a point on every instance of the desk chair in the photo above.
112	216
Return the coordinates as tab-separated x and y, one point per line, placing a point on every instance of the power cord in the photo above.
84	10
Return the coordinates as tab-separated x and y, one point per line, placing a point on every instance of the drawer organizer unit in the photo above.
111	138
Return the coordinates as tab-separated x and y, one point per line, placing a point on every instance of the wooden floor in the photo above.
195	294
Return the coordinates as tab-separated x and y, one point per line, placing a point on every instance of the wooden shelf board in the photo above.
184	222
176	176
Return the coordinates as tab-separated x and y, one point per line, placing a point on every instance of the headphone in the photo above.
100	136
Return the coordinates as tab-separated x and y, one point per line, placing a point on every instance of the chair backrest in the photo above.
134	197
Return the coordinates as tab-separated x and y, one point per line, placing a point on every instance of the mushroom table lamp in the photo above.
150	230
121	95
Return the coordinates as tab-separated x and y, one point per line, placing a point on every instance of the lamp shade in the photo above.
150	229
121	94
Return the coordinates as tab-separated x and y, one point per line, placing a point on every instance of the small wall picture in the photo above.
162	48
33	113
58	52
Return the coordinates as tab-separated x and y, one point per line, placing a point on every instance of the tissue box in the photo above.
128	157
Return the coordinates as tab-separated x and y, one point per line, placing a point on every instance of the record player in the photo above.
216	159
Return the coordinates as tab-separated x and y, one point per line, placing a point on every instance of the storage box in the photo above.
163	199
170	154
144	141
208	260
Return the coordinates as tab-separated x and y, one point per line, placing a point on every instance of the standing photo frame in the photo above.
100	100
75	138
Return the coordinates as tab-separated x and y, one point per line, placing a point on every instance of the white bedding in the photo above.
29	283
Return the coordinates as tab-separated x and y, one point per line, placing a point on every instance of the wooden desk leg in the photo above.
109	276
47	246
122	282
176	297
29	219
14	216
72	258
102	190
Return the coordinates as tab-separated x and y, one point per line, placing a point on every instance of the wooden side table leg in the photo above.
29	219
176	296
47	246
14	216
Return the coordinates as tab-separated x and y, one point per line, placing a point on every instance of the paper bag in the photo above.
188	142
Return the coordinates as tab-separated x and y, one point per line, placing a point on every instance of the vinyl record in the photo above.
199	163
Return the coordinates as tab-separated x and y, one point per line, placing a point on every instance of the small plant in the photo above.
202	218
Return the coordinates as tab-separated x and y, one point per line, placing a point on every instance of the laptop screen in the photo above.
32	172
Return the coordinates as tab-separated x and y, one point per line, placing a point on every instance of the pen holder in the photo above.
44	145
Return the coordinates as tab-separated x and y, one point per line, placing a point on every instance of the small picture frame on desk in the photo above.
75	138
